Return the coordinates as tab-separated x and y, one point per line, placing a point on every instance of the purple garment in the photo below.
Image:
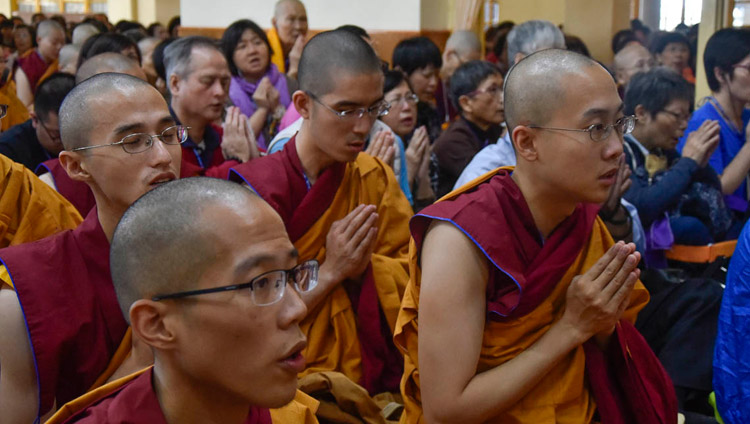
659	239
241	92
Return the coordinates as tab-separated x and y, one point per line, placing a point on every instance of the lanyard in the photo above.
198	152
715	104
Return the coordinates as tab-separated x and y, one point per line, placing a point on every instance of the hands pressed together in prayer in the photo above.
701	143
294	56
238	140
383	147
266	96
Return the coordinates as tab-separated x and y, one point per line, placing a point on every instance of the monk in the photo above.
182	278
50	37
520	306
287	35
61	324
344	208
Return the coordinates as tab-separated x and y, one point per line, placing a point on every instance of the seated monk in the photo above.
61	324
50	37
182	278
528	316
344	208
287	35
52	171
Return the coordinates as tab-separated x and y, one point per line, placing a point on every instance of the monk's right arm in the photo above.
451	325
18	387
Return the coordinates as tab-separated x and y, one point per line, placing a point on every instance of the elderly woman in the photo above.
257	88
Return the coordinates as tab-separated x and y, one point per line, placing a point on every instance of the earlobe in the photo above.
301	102
148	323
74	166
465	104
524	141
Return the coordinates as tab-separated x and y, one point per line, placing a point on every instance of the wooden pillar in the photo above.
714	16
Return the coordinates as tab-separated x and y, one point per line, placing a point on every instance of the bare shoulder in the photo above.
449	256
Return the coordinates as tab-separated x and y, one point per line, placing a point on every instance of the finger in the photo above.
622	297
625	186
344	222
362	230
602	267
358	220
367	245
619	278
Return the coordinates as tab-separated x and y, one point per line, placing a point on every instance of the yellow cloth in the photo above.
17	112
331	327
655	163
563	395
278	51
301	410
51	69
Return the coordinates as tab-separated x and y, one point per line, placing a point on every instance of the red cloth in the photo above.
33	66
75	324
217	166
78	193
136	403
628	383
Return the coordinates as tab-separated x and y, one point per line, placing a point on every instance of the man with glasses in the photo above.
61	325
520	305
219	313
344	208
38	139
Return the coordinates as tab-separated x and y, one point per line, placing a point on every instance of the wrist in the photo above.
328	277
570	332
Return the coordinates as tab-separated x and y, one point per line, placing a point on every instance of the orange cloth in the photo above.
563	396
51	69
331	327
278	51
300	410
29	208
17	112
687	74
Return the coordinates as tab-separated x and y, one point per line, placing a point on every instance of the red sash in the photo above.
74	320
33	66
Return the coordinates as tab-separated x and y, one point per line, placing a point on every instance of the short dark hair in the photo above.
173	23
232	37
661	40
358	31
30	29
726	48
622	38
416	53
158	57
101	26
7	24
104	43
655	89
151	30
393	79
468	77
577	45
124	25
51	93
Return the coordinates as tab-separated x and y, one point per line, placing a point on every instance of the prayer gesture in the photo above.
596	300
383	147
238	140
417	154
349	244
266	96
294	56
702	142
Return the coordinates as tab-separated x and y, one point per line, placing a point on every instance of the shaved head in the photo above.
334	52
109	62
78	115
281	7
164	244
68	58
534	87
464	42
47	27
83	32
631	59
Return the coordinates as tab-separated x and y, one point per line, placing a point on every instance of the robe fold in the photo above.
33	66
526	291
78	193
74	321
350	331
132	399
277	51
17	113
29	208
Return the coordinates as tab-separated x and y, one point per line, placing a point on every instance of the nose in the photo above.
218	89
160	153
613	146
293	308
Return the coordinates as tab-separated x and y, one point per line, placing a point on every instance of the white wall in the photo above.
380	15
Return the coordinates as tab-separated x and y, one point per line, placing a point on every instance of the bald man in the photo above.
32	66
68	58
462	46
344	208
287	35
182	277
61	325
630	60
528	316
109	62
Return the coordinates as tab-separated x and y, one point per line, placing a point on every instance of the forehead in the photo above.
495	79
592	89
358	88
249	34
292	9
141	105
264	234
205	60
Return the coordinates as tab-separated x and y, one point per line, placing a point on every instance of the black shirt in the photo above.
20	144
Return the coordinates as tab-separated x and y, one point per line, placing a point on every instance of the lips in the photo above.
162	178
609	177
294	360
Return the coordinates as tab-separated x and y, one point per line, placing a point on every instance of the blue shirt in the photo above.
729	145
731	359
491	157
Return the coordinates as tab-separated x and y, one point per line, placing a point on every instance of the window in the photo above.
674	12
741	13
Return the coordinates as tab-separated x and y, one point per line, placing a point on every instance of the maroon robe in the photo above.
34	67
628	382
136	402
76	192
69	304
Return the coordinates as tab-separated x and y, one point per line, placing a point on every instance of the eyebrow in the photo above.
599	111
129	128
253	261
346	103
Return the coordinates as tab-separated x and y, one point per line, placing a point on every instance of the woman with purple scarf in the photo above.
258	88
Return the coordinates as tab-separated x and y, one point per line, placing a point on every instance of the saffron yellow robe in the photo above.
277	58
17	112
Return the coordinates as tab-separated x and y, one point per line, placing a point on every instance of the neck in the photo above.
42	56
732	106
547	207
314	161
108	216
196	123
484	126
253	79
184	400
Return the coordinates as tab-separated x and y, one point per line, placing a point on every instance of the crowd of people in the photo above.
472	233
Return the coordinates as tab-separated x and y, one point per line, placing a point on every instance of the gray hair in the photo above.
45	28
464	41
533	36
177	56
83	32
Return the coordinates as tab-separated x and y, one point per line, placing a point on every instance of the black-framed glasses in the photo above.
267	288
600	132
3	111
678	116
140	142
55	136
375	111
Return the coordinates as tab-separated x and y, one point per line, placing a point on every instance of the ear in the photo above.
303	103
524	141
720	75
273	21
74	166
642	114
519	57
174	84
465	103
147	319
34	119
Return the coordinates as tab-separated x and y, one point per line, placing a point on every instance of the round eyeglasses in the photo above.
140	142
267	288
600	132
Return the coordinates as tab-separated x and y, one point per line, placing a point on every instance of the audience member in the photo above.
68	59
727	63
50	37
14	112
161	74
499	55
38	139
477	92
575	44
37	18
109	42
146	47
83	32
496	45
533	36
24	39
461	47
641	31
6	33
630	60
533	298
624	38
157	30
258	88
173	27
109	62
287	34
672	49
149	264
